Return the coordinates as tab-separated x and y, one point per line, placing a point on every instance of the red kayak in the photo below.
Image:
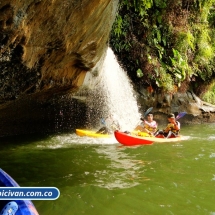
132	139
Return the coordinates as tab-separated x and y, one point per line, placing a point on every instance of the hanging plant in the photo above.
139	73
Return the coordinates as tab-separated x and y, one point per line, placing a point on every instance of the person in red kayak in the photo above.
149	126
172	129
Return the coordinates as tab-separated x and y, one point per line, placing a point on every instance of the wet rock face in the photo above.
197	110
46	47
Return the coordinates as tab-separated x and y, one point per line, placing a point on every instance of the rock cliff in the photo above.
197	110
46	49
49	49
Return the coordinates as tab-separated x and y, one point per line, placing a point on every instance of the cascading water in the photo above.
110	92
113	94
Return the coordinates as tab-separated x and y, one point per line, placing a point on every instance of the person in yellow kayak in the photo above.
172	129
110	124
149	125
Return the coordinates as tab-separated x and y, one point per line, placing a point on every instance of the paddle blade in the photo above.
181	114
148	111
102	121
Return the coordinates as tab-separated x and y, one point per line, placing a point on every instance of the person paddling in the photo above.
172	129
110	125
149	126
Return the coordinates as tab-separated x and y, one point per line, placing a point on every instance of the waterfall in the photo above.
114	94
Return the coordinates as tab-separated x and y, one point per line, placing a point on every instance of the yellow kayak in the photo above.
140	133
88	133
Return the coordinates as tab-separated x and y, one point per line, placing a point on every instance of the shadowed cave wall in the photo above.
46	49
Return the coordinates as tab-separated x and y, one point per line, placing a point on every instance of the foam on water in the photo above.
65	141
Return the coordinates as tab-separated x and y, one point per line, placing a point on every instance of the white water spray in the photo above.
117	93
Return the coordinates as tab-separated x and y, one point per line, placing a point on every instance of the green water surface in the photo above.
104	177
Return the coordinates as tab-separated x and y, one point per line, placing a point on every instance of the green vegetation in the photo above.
209	96
167	44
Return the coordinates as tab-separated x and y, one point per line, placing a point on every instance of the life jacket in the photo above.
171	127
153	123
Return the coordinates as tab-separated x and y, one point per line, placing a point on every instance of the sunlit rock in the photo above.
46	49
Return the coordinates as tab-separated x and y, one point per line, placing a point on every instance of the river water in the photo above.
100	176
97	176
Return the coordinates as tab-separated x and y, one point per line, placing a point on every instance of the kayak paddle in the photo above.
145	114
181	114
148	111
103	121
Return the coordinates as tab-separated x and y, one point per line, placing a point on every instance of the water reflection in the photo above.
94	175
123	171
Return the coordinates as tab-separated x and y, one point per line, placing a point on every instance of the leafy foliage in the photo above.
209	96
165	43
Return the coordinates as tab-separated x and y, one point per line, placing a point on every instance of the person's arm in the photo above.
168	127
152	125
147	131
176	126
147	123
